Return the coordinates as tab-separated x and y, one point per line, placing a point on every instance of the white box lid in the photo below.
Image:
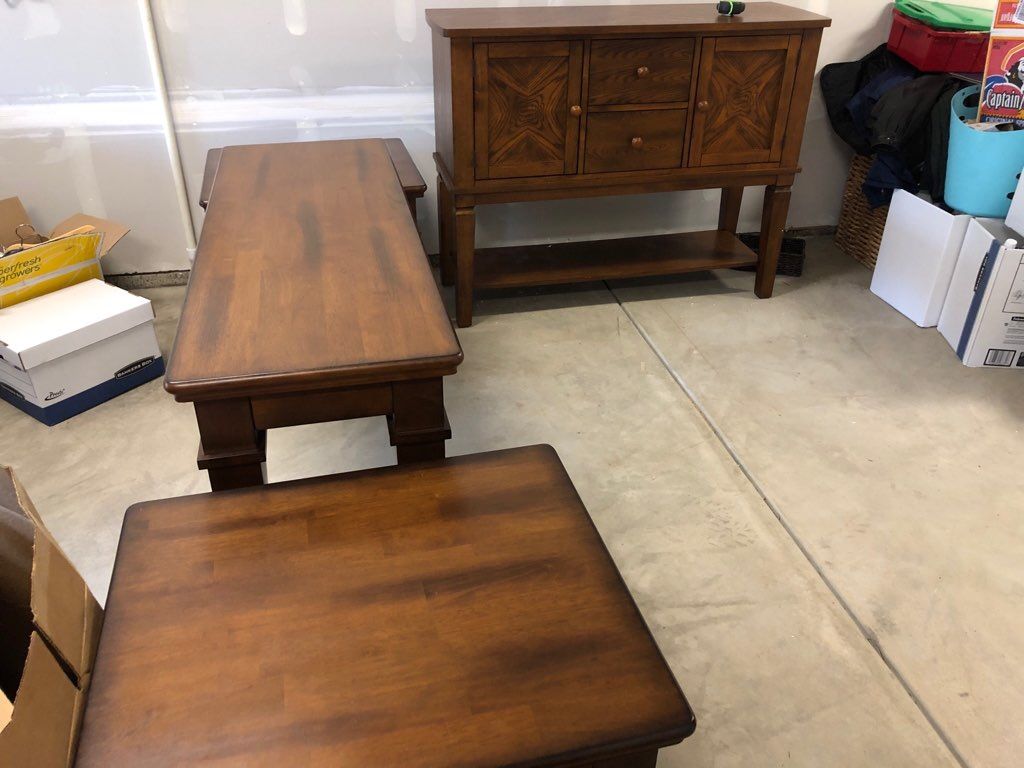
51	326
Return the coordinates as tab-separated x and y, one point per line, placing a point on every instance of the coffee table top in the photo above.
461	613
310	274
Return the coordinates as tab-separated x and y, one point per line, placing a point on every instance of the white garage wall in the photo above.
80	128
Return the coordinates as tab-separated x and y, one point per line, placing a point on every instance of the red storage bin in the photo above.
936	50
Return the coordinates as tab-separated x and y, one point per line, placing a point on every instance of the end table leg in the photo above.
773	224
465	244
418	425
445	251
231	449
729	209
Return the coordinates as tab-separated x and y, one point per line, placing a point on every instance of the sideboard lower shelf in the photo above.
531	265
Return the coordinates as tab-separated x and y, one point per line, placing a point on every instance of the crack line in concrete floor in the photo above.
865	631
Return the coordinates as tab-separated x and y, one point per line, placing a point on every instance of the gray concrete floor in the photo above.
814	504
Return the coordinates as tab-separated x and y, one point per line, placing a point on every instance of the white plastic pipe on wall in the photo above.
167	119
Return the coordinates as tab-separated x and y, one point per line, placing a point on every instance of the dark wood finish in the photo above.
773	224
445	232
801	99
670	97
462	613
729	209
310	300
626	19
640	71
232	449
278	411
634	141
209	176
559	263
465	245
409	175
623	183
524	97
743	99
316	233
417	418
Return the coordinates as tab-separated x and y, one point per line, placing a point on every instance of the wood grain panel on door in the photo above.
640	71
743	96
634	141
524	95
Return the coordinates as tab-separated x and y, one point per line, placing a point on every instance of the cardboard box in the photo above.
1002	98
1009	15
983	318
68	351
46	716
917	257
34	264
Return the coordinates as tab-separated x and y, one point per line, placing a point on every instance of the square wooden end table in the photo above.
455	613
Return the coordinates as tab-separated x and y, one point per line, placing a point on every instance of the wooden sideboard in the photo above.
558	102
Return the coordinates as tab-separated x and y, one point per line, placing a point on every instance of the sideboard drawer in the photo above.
641	71
642	140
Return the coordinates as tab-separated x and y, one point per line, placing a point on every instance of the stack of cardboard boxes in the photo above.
68	341
963	274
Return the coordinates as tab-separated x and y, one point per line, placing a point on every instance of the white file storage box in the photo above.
70	350
983	318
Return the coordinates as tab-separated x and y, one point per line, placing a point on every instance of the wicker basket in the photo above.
859	233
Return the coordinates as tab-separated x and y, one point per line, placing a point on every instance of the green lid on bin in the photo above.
947	15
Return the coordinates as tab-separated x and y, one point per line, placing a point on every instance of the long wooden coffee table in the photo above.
457	613
311	299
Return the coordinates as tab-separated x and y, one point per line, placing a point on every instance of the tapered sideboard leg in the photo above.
465	243
773	224
446	250
729	210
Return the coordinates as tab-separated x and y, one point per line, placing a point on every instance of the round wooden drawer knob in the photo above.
575	110
703	105
637	142
642	71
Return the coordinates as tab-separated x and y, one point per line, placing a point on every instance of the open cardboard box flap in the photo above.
64	611
13	215
66	619
111	230
47	714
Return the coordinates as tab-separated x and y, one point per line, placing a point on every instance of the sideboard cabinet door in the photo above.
524	121
743	96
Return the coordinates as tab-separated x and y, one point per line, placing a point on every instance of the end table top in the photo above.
460	613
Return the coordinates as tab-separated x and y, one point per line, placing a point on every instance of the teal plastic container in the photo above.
982	167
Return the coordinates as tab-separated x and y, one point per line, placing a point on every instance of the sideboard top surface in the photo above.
611	19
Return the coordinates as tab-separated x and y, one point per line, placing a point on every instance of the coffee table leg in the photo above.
418	425
231	449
